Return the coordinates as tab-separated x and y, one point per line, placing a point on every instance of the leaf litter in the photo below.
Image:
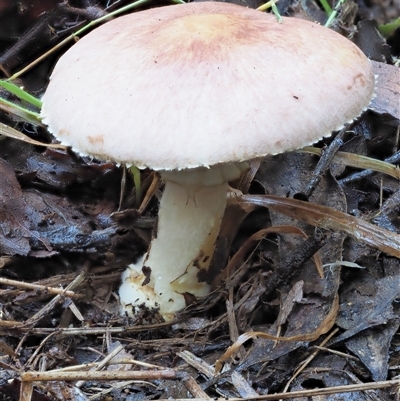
291	314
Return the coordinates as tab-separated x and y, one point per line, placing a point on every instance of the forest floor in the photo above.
70	225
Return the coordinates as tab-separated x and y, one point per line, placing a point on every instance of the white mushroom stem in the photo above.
190	215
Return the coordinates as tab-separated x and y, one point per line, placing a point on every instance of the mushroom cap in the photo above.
204	83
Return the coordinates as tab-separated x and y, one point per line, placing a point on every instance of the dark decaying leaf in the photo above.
14	231
387	90
52	169
61	225
367	302
42	221
373	44
372	347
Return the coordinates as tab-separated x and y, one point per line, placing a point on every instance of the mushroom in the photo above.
193	92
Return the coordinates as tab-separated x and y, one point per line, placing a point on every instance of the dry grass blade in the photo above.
309	359
324	327
86	331
328	218
13	133
247	178
45	310
12	324
359	161
58	298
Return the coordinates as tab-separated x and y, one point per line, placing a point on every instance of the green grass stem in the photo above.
325	5
21	93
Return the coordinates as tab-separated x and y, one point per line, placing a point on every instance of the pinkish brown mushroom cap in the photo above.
200	84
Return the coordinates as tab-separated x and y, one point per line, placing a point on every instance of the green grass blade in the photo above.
23	95
325	5
334	13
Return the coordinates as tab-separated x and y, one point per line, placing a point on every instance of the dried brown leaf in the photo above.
14	232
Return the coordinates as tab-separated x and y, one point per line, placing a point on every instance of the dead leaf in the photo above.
387	89
14	232
372	347
367	303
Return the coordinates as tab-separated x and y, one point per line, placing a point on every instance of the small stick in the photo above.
42	288
167	374
194	388
84	331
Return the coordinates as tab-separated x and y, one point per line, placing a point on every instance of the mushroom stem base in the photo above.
188	225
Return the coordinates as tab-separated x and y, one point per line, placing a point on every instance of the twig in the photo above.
85	331
42	288
193	387
167	374
197	363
